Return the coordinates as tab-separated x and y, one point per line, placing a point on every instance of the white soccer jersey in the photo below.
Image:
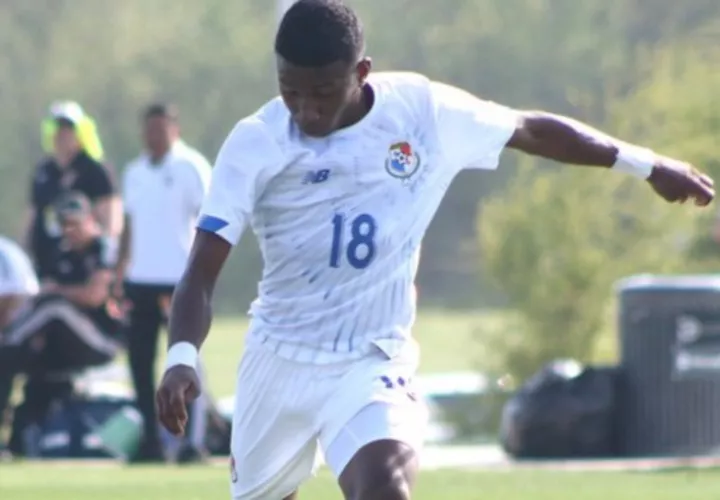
340	219
17	276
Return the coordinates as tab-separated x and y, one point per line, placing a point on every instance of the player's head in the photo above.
74	213
160	128
320	49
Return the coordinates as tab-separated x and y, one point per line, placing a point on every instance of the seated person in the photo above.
69	325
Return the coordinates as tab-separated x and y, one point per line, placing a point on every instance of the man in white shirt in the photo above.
339	178
162	192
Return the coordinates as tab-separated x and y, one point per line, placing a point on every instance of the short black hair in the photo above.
161	109
316	33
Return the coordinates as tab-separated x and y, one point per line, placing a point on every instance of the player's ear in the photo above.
363	69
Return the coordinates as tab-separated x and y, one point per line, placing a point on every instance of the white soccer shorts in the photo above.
287	412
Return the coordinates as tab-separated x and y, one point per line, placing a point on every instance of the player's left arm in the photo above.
473	132
569	141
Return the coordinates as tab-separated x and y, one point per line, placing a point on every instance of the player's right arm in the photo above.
236	183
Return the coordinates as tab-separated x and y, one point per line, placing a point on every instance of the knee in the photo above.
392	487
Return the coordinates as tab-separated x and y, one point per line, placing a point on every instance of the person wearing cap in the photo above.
71	324
163	189
74	162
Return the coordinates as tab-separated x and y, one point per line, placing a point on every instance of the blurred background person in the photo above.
18	284
162	192
70	325
71	140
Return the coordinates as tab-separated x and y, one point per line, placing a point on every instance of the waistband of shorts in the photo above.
300	353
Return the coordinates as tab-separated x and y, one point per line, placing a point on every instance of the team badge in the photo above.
402	161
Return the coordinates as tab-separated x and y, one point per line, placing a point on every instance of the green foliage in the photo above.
556	242
673	110
214	58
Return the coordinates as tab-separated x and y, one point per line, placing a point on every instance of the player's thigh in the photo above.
374	402
274	436
391	435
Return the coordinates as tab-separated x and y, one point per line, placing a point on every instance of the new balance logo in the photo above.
316	177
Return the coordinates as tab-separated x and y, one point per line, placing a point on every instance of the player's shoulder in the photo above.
400	81
401	85
261	134
403	92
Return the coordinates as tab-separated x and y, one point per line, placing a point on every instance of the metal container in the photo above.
669	400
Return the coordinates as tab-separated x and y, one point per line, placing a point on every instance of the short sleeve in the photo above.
472	132
101	182
238	180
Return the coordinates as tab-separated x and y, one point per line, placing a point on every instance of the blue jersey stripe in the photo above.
211	224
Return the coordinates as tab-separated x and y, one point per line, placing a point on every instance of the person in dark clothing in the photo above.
71	324
74	164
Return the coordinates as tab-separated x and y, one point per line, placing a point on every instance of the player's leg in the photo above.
375	456
274	435
374	450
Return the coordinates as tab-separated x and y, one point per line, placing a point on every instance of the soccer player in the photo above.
339	178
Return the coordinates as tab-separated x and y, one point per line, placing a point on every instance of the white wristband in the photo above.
182	353
635	161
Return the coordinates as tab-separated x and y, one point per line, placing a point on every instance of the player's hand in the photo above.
179	387
678	182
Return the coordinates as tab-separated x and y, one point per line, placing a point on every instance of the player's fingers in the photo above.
178	410
164	411
703	196
706	180
192	393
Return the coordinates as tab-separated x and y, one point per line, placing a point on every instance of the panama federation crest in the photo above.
402	162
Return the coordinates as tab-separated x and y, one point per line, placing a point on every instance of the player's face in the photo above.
320	99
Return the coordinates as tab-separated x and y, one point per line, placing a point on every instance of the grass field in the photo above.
42	481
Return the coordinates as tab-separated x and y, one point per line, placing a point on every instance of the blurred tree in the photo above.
674	110
214	58
556	242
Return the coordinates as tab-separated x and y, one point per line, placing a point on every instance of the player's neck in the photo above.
361	107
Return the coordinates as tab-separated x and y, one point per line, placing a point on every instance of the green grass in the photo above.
79	482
